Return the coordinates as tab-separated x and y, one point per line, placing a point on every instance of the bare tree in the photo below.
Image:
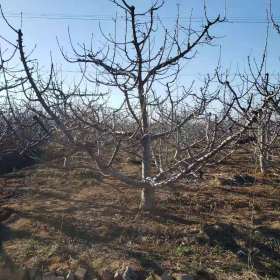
136	65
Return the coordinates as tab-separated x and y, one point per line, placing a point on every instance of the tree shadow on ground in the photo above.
80	204
164	216
6	262
8	269
255	250
150	262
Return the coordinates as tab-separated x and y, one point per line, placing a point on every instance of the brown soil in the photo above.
64	218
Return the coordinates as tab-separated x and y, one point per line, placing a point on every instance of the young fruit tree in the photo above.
174	131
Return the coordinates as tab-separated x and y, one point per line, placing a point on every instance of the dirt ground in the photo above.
57	219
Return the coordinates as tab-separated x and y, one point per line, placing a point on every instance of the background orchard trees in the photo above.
256	93
21	132
267	128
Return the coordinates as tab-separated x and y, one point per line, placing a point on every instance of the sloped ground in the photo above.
61	218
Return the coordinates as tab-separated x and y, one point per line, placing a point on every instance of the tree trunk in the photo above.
147	199
262	161
263	153
146	161
148	194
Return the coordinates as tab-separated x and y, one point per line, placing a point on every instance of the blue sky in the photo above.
237	39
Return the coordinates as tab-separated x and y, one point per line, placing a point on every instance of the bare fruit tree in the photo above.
138	65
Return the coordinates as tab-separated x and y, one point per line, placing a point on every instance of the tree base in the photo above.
147	199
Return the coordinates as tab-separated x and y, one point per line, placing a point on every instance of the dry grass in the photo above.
64	218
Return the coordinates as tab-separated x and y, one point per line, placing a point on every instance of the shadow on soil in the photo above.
260	247
8	269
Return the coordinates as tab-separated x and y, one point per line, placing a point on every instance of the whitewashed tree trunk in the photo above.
147	199
146	162
148	193
263	153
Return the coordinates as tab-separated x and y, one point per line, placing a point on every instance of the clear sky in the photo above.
43	21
